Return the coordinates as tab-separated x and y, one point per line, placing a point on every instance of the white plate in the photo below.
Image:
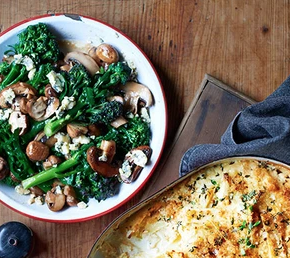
88	30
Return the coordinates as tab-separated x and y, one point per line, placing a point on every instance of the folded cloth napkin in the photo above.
262	130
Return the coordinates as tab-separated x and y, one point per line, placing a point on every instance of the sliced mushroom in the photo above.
19	89
117	98
55	201
87	61
52	105
13	178
104	54
70	194
94	130
109	150
135	161
4	169
134	93
49	141
49	91
42	108
75	130
36	191
37	151
119	121
36	108
51	161
23	105
101	167
18	120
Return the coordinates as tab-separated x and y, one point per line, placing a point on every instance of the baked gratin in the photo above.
234	208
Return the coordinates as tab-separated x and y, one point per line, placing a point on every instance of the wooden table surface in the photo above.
243	43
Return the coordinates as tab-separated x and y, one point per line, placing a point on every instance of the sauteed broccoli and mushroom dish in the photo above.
73	126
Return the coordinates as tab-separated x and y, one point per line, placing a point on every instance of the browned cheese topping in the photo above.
238	208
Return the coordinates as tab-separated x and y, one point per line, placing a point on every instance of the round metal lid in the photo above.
16	240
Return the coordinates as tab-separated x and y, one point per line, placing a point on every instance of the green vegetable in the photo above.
105	113
40	80
12	151
89	184
12	74
37	42
58	172
115	74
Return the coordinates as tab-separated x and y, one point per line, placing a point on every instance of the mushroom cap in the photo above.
55	202
19	89
134	163
133	92
42	108
37	151
36	108
87	61
103	168
104	54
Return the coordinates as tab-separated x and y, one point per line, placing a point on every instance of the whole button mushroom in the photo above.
37	151
104	54
55	201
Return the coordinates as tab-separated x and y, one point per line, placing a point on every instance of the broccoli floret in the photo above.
37	42
12	73
116	73
92	185
40	80
78	78
131	135
105	113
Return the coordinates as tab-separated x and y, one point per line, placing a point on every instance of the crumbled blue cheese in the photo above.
65	144
24	60
126	169
28	63
5	113
78	141
66	104
82	205
62	144
31	73
56	80
20	190
9	95
39	200
103	157
58	190
138	157
145	115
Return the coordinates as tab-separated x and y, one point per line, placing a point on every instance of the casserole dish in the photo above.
229	208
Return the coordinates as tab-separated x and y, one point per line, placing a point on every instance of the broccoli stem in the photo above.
53	126
21	76
57	172
34	130
49	174
14	73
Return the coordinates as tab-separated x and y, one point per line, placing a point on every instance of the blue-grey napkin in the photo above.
262	130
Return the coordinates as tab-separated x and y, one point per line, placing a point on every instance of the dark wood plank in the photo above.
209	115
